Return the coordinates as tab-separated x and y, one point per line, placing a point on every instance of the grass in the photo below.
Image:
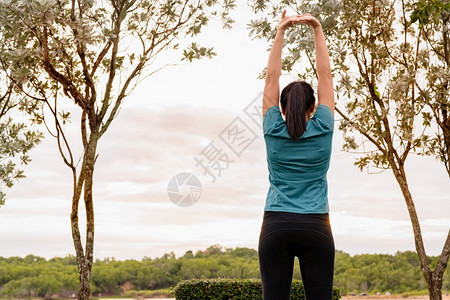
161	293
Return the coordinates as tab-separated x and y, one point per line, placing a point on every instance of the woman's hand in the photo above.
310	20
286	21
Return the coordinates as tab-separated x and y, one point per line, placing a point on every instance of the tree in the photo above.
433	17
395	75
92	54
15	138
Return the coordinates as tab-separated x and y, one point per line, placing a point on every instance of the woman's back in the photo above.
297	168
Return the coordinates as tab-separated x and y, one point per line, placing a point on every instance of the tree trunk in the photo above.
435	288
433	279
84	290
438	273
85	257
76	237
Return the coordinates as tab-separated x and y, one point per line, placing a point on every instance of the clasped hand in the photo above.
287	21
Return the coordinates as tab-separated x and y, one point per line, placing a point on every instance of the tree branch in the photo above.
68	86
357	127
100	57
82	55
443	259
112	67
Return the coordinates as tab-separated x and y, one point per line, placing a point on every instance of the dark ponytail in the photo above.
296	99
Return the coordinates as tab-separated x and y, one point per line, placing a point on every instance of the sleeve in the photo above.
324	118
272	121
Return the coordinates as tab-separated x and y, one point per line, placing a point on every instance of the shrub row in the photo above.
228	289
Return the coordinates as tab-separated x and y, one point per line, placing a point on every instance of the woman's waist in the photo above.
298	218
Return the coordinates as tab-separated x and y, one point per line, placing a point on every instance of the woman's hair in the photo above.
296	99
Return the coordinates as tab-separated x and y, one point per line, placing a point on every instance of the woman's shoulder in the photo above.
324	117
273	122
324	108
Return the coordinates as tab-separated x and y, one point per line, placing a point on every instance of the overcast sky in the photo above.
175	117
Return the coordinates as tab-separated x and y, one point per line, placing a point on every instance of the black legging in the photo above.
287	235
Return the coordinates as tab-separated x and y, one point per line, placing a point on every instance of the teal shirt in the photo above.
298	169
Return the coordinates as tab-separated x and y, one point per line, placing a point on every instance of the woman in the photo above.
296	221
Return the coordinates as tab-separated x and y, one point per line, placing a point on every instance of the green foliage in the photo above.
16	140
225	288
195	52
74	42
430	10
218	289
148	274
33	276
397	273
160	293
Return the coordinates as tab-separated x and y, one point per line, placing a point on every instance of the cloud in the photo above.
146	147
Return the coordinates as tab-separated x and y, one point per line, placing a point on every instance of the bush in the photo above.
221	289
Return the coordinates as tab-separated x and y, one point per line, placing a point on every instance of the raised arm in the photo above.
272	87
325	90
